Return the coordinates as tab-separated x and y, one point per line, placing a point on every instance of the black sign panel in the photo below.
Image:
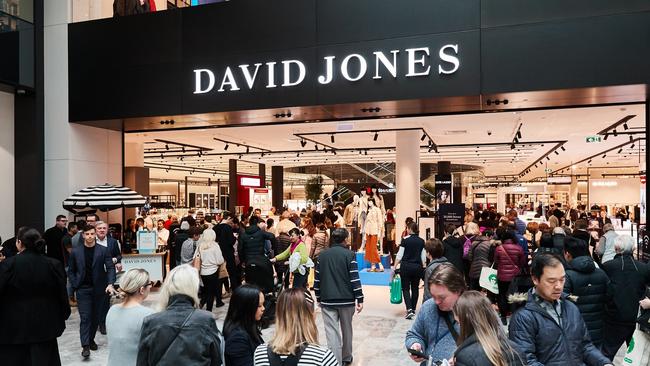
443	189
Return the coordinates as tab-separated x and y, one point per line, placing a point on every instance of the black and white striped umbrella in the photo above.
104	197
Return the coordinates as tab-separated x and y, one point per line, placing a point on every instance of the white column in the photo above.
7	164
407	177
76	156
573	192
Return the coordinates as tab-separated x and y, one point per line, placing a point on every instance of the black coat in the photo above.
629	279
240	348
226	240
471	353
251	242
163	341
181	236
454	252
33	299
543	342
103	267
589	285
53	243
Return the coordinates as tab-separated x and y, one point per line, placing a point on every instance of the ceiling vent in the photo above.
456	132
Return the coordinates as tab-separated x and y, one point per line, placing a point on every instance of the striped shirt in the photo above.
313	355
332	285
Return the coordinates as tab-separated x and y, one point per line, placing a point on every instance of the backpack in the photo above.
467	245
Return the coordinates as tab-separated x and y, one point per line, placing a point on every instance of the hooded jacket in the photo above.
454	251
629	279
479	255
544	342
509	259
589	285
252	242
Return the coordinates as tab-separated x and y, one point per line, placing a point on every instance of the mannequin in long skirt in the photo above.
374	231
362	212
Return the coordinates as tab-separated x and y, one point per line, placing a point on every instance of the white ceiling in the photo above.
543	127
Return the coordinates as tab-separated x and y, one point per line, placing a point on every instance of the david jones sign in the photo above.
352	67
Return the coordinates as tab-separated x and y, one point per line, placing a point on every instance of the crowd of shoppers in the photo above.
580	306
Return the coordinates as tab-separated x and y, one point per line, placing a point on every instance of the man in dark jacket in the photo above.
53	244
226	240
549	329
181	236
252	240
338	290
588	284
629	279
92	274
453	247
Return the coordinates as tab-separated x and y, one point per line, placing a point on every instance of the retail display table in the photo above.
154	263
374	278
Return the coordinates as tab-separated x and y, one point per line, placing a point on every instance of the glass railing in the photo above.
83	10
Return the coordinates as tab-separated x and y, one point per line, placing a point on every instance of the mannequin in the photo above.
379	199
361	218
374	232
350	217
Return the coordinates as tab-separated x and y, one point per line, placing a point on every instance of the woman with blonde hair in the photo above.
482	341
296	336
207	259
180	334
124	321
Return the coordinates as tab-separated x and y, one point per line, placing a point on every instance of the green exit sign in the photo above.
593	139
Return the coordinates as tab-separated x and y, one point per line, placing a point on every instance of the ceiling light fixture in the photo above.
376	136
631	138
166	147
562	147
183	148
556	153
606	136
625	126
316	147
225	147
303	142
424	136
615	133
632	146
620	150
604	156
332	138
247	149
547	158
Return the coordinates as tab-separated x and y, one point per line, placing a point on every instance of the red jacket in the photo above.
509	259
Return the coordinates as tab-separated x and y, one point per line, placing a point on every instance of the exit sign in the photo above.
593	139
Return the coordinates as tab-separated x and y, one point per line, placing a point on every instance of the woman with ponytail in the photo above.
34	304
482	341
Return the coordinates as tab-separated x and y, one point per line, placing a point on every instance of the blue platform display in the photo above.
375	278
362	263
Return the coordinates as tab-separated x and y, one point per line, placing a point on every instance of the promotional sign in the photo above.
152	263
147	241
443	189
450	213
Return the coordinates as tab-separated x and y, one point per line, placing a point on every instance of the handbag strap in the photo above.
508	256
445	316
176	335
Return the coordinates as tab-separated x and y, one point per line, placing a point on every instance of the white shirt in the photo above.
103	243
163	235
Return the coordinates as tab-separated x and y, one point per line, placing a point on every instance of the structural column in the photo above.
407	176
277	184
262	174
233	185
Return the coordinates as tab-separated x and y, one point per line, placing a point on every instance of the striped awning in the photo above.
104	197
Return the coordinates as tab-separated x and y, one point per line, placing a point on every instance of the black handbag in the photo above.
521	283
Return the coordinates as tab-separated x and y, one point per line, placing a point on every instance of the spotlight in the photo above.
535	165
604	156
631	138
316	147
512	146
547	158
424	136
620	150
376	136
562	147
365	152
262	155
161	156
625	127
239	156
632	146
518	134
615	133
516	140
298	155
183	148
332	138
303	143
225	147
606	136
589	162
166	147
247	149
556	153
334	151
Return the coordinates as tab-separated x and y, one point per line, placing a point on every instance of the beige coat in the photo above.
350	214
375	222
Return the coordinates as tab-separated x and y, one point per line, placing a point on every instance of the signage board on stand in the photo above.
450	213
147	241
443	189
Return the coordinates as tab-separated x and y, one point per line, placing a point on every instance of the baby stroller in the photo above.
259	272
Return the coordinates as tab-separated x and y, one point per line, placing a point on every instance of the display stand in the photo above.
153	263
374	278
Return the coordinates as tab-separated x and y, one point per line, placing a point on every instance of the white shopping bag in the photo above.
638	352
488	280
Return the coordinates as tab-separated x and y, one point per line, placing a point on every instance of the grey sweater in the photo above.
123	332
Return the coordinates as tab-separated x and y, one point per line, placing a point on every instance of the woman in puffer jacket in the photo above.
509	259
481	254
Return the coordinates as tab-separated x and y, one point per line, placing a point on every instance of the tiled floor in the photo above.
378	333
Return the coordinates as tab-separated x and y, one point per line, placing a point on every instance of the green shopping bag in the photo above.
396	290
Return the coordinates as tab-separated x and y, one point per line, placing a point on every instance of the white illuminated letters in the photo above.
250	80
391	67
422	60
197	81
448	58
287	72
329	70
417	62
228	79
363	67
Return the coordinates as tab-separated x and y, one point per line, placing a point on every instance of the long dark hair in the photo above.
30	238
241	312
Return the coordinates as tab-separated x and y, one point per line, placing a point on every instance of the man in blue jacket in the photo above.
92	274
549	329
